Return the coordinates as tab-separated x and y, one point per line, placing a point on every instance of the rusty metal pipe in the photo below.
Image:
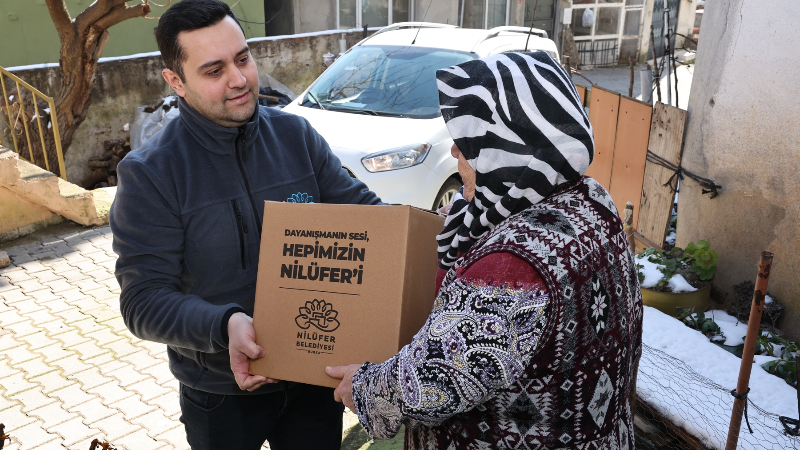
753	330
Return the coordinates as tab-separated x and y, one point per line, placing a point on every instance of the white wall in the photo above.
744	133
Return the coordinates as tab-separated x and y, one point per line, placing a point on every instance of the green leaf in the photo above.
690	249
703	245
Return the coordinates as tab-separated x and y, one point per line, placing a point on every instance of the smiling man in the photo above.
187	228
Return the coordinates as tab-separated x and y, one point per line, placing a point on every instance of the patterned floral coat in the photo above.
502	367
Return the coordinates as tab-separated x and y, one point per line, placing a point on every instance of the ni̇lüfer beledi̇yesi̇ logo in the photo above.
300	197
318	313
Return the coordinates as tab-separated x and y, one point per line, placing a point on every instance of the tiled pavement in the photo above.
70	371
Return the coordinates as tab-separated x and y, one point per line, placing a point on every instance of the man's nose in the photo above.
237	79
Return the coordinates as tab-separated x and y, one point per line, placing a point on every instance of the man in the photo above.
187	223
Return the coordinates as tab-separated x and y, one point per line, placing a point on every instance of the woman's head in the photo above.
518	122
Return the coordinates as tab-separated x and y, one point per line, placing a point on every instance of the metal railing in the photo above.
17	116
597	53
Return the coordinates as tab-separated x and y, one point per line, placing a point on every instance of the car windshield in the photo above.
384	81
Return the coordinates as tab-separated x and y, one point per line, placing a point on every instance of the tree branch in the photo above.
120	13
95	12
60	16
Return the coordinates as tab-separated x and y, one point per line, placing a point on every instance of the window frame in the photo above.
360	9
485	14
619	36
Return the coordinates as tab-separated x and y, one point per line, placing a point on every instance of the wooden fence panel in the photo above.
630	153
582	93
603	112
666	141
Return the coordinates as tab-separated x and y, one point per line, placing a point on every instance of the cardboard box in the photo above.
341	284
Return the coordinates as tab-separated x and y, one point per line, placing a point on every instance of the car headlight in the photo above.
396	158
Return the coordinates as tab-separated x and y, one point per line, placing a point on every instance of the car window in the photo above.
384	80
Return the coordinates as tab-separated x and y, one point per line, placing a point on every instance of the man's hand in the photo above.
344	393
242	347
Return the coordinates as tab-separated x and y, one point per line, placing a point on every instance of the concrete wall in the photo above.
27	34
441	11
744	133
314	15
124	84
19	217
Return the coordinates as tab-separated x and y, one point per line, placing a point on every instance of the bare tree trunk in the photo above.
82	43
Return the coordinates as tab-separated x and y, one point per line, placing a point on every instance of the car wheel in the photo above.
446	193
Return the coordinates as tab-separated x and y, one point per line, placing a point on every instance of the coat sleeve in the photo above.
149	239
478	339
335	184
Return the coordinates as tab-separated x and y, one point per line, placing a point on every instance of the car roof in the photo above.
481	42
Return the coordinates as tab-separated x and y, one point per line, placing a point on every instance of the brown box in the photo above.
340	284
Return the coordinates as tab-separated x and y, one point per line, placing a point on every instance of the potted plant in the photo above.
679	278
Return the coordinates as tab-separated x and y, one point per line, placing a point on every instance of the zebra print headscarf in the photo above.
519	122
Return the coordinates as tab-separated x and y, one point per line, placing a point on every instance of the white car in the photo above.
378	105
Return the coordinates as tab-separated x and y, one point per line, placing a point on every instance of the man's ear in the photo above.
174	81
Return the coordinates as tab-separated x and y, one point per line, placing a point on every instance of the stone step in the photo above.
46	189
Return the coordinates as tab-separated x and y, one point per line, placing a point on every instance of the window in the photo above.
615	33
483	13
373	13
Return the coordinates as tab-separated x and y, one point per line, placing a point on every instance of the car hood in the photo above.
361	134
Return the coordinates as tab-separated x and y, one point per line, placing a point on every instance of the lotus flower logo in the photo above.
300	197
318	313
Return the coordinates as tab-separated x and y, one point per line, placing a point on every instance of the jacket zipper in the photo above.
239	141
242	231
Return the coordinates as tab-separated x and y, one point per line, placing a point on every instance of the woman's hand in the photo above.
344	393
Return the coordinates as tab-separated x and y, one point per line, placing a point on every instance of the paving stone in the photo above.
100	361
73	432
6	403
19	354
112	284
87	304
85	285
33	266
6	285
22	328
122	348
32	399
47	276
138	440
72	294
17	276
43	295
14	384
85	247
14	295
92	232
74	275
110	392
176	437
133	407
169	403
21	259
41	316
88	265
14	418
115	427
59	285
104	336
71	365
111	365
10	317
100	257
60	249
153	348
60	265
102	294
27	306
57	305
29	286
72	396
93	410
160	372
52	415
52	381
104	314
34	367
155	422
89	378
37	340
111	266
87	325
140	360
54	352
127	375
70	338
33	435
117	324
88	350
71	315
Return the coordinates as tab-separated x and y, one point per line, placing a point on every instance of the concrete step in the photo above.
46	189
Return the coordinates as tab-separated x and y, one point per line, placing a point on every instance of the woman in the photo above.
537	322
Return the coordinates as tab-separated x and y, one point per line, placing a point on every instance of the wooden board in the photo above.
666	141
630	153
603	111
582	92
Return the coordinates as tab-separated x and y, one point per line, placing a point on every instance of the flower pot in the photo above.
668	302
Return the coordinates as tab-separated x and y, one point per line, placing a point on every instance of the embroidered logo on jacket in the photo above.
300	197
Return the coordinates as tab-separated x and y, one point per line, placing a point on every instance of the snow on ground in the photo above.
693	392
651	271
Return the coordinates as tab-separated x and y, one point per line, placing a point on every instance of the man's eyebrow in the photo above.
219	61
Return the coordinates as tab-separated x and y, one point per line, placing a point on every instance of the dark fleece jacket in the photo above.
186	223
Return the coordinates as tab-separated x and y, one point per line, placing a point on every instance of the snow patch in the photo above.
679	284
767	299
651	271
671	238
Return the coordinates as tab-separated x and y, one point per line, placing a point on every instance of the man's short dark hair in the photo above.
186	15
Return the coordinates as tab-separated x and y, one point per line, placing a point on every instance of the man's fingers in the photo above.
336	372
336	395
